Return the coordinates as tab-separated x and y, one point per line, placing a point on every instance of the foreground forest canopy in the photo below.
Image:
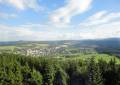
25	70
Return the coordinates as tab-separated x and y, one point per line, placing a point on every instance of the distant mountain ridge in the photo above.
109	46
109	42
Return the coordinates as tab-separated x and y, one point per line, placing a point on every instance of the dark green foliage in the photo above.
36	78
12	72
60	77
112	71
26	70
48	73
94	73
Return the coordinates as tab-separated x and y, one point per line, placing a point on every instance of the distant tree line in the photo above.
24	70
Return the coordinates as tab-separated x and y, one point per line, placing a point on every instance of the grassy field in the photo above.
24	46
33	45
7	47
41	45
97	57
75	57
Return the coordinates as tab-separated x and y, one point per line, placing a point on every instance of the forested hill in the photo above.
24	70
110	42
109	46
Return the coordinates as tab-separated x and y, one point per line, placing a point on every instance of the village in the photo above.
41	51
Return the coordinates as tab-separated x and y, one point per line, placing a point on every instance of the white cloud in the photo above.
72	8
34	32
27	32
102	25
49	32
111	30
7	16
100	18
98	15
23	4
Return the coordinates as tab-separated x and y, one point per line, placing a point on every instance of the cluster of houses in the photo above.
40	51
48	51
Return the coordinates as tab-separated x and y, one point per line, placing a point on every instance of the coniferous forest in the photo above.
23	70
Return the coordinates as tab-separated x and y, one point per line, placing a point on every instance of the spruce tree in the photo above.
36	77
48	73
94	74
60	77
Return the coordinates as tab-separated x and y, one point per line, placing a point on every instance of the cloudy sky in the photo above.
59	19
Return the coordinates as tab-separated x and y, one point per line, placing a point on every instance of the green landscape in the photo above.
98	69
59	42
59	63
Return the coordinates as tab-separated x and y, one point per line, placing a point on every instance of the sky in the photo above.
39	20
